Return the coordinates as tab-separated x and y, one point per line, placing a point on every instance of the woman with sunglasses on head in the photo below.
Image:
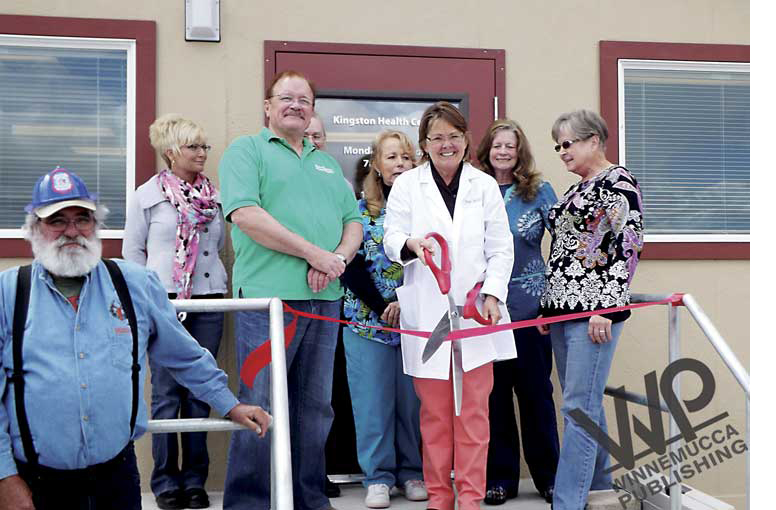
596	240
504	153
447	195
385	407
175	227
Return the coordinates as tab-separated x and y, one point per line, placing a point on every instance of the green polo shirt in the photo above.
308	195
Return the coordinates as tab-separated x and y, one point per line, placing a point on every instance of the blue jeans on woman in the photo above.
386	411
170	400
583	368
310	363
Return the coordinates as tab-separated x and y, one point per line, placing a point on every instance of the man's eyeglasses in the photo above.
82	223
439	139
287	100
566	144
197	146
316	137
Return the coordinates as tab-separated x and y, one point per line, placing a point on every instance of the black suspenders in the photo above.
23	284
120	284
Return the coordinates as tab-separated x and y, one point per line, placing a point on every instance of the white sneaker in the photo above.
415	490
378	496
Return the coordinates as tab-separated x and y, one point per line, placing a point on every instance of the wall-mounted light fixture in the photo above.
203	20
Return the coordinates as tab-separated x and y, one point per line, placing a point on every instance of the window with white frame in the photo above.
67	102
684	133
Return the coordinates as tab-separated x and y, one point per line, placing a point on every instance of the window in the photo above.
679	120
69	97
65	102
686	139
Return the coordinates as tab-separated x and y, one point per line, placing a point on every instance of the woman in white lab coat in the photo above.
449	196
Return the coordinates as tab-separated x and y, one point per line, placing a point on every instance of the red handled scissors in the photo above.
451	320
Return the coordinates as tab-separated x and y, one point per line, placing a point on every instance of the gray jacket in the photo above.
149	240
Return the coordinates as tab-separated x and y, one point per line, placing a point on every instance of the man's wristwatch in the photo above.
342	257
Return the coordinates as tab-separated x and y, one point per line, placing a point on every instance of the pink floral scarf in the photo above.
196	205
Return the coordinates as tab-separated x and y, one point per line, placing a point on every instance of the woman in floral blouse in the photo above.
385	407
596	240
505	154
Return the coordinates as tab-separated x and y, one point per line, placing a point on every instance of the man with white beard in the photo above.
69	417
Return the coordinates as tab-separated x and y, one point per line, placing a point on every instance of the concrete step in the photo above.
610	500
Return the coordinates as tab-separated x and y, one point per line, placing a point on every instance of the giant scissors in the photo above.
451	320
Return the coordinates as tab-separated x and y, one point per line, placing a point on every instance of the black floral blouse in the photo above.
596	240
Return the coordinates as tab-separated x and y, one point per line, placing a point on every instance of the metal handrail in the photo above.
724	351
282	496
282	488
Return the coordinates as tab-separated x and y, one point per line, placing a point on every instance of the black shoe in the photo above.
496	495
196	498
331	490
547	493
171	500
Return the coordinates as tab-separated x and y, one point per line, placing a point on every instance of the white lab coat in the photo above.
481	249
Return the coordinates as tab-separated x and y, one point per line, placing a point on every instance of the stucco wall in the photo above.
552	66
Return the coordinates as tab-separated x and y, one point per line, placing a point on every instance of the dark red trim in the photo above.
610	52
21	248
498	56
696	251
144	33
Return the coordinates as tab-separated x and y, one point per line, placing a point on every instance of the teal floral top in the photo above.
528	222
384	275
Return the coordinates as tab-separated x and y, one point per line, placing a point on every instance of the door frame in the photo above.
271	48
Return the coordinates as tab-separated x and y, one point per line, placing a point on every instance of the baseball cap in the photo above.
58	189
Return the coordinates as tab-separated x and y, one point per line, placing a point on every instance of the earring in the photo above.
378	173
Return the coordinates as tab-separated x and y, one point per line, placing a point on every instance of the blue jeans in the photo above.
310	362
583	368
114	484
385	410
170	400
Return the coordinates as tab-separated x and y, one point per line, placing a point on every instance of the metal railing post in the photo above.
723	349
674	352
282	485
748	447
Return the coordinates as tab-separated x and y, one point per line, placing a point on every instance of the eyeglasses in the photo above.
566	144
287	100
196	146
82	223
439	139
316	137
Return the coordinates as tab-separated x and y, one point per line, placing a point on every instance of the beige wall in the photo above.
552	66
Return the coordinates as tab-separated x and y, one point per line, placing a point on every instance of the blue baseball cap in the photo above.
58	189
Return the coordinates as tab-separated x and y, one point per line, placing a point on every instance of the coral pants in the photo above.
455	442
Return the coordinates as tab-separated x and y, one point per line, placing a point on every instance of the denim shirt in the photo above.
149	240
527	221
77	366
385	274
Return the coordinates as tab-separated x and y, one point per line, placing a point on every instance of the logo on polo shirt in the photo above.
322	168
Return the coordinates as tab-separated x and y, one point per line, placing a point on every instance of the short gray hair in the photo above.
583	124
31	220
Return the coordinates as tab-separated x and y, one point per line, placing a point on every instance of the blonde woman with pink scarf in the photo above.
175	227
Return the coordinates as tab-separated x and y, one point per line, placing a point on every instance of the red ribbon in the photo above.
262	355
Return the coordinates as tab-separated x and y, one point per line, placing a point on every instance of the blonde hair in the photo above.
373	189
171	131
525	175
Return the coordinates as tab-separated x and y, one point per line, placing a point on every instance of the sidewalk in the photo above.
353	499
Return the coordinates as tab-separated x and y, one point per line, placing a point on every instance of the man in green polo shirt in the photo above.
295	227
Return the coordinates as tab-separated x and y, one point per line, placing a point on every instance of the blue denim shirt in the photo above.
77	378
527	221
